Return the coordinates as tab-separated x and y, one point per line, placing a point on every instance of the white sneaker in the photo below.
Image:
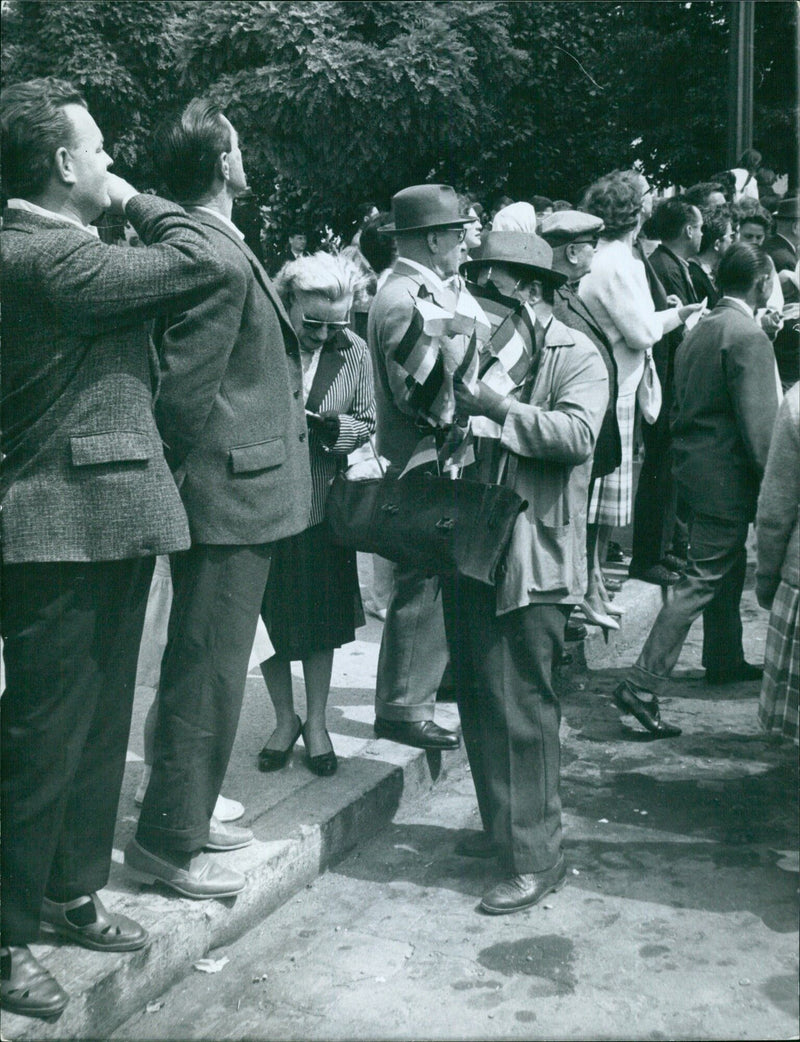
224	809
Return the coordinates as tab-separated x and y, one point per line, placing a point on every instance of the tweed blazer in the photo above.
84	476
726	398
342	384
401	400
230	404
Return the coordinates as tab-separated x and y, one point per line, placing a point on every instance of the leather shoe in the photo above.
203	878
227	837
656	574
275	759
421	734
743	672
646	712
573	632
323	765
524	891
26	987
477	844
107	932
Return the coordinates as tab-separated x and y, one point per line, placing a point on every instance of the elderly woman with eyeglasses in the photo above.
312	603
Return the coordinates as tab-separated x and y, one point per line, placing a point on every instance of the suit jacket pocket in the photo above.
110	447
261	456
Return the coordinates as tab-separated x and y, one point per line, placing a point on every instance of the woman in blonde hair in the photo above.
312	603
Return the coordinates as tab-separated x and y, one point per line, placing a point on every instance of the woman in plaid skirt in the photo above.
616	291
778	572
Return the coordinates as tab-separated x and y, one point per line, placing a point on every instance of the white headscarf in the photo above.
518	217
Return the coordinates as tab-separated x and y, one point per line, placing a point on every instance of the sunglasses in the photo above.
318	323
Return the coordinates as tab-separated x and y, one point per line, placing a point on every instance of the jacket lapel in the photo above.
331	361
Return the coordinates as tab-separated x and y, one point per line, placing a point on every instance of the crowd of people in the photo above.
169	399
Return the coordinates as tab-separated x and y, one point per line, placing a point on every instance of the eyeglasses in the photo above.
461	231
318	323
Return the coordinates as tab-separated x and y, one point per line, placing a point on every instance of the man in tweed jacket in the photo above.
231	412
87	503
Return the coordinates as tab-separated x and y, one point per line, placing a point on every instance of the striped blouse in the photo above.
342	384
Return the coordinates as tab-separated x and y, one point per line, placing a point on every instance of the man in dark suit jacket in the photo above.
726	399
231	412
87	503
679	225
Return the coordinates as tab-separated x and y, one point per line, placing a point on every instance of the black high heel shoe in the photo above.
325	764
274	759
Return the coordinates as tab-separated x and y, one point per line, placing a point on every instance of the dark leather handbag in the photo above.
436	524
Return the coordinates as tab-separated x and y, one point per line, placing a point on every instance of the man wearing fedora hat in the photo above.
782	245
538	408
412	391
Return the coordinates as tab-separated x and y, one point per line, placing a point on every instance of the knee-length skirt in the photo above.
312	601
612	498
780	688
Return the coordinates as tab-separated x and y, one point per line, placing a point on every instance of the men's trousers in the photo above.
413	654
655	507
71	633
713	586
216	599
510	718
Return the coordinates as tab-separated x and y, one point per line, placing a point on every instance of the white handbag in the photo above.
648	393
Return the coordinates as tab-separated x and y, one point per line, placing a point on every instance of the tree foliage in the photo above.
341	102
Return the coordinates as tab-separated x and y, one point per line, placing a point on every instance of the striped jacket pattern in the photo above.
342	384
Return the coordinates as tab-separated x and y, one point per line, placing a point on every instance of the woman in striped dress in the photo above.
617	293
312	603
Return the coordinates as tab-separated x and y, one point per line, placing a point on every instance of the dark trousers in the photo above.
712	586
413	654
71	633
510	718
655	508
216	599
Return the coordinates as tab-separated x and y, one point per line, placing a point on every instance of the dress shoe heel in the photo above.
596	618
275	759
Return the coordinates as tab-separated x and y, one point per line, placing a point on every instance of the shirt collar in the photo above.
741	304
62	218
220	217
431	277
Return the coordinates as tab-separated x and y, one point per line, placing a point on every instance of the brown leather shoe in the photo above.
108	931
421	734
202	879
26	987
524	891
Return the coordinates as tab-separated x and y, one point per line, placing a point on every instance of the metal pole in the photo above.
740	78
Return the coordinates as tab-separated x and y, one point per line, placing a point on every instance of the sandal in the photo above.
108	932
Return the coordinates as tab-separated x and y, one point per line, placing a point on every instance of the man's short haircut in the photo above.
759	217
698	194
715	223
540	202
186	150
750	159
672	216
742	265
34	127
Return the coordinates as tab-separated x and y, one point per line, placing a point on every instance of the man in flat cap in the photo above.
414	398
573	236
